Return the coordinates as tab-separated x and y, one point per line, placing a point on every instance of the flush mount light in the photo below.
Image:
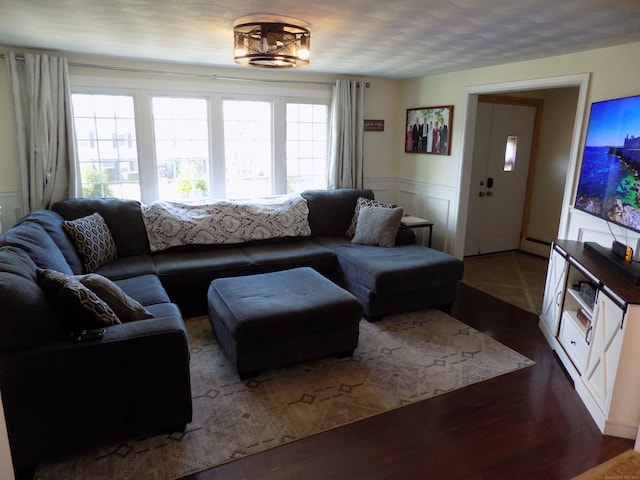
271	41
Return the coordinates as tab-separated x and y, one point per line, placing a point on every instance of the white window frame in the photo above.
143	90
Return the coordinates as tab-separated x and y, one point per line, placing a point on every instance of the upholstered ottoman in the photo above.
274	319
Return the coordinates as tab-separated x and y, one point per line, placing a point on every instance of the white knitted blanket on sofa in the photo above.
171	224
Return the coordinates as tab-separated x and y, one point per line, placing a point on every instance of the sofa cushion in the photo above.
404	268
273	257
52	224
126	308
162	310
127	267
377	226
331	211
37	243
188	270
146	289
80	306
92	239
27	318
364	202
123	217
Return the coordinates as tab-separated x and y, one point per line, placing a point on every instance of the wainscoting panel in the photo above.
587	228
10	209
433	202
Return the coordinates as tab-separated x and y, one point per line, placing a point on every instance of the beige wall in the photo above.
606	81
8	162
386	164
552	161
380	148
6	470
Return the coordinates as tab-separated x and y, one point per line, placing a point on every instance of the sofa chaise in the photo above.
60	396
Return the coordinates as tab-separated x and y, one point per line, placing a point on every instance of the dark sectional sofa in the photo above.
61	396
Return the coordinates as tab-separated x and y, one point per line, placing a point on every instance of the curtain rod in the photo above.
179	74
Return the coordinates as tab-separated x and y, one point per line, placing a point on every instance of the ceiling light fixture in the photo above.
271	41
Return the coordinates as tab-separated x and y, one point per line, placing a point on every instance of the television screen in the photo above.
609	183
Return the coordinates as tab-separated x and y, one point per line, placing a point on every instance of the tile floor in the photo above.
515	277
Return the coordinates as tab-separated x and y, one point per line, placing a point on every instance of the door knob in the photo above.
489	182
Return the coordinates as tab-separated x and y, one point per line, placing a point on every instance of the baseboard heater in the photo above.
535	240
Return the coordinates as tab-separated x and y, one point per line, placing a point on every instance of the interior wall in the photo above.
551	164
426	185
428	177
380	148
552	161
6	470
9	181
381	98
9	176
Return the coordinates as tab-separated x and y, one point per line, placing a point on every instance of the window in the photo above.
306	146
181	128
188	145
510	153
106	144
247	149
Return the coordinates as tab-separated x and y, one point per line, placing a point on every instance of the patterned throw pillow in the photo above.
83	308
126	308
93	240
351	231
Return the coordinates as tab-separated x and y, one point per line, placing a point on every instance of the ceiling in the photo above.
379	38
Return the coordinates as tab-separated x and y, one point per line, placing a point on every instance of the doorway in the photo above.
502	156
554	161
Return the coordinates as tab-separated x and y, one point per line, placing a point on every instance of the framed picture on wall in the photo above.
428	130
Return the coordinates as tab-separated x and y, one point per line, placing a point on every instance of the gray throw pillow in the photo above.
364	202
378	226
93	240
126	308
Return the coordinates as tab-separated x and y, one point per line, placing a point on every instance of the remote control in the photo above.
86	335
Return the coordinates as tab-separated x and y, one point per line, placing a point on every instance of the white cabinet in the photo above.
552	300
608	333
591	318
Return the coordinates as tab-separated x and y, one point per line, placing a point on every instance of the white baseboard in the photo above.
535	248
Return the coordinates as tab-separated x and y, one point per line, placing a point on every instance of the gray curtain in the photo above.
44	126
346	135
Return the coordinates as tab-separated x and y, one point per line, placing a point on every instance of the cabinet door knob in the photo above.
573	342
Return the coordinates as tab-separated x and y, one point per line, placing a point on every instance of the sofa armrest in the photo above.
67	396
139	330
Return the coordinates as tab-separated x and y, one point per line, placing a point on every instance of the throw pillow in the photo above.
362	202
83	308
378	226
93	240
126	308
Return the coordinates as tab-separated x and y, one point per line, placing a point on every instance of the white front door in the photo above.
502	151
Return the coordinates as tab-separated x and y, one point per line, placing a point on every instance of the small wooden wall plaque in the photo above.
374	125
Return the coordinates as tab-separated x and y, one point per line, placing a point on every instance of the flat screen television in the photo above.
609	182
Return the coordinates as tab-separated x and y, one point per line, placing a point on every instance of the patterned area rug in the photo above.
400	360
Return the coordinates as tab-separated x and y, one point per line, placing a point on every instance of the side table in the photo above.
410	221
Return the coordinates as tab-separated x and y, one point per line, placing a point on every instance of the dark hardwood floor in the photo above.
528	424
